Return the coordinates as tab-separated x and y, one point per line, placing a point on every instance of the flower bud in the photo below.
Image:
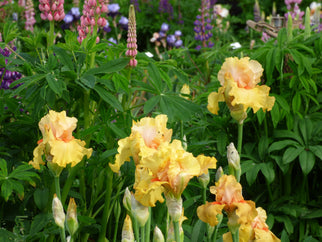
127	200
174	207
72	223
139	212
58	212
219	173
204	180
233	161
157	235
127	231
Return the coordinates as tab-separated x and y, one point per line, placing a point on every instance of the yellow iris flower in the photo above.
239	89
147	134
170	166
228	197
58	144
257	230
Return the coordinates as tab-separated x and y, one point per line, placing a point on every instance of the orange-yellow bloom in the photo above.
257	230
228	197
58	144
146	134
239	80
170	166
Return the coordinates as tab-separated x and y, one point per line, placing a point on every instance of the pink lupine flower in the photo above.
29	15
92	11
52	10
131	38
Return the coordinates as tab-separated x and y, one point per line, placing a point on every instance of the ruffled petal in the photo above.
68	152
38	152
206	162
255	98
209	211
148	190
213	100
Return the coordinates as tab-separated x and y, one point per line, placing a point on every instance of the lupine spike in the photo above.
52	10
131	37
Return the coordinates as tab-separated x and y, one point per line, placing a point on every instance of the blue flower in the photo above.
171	39
178	43
177	33
164	27
75	12
113	8
68	18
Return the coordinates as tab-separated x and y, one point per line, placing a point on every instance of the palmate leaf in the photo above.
109	67
108	97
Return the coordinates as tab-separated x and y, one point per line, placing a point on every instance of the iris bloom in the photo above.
168	169
239	89
147	134
228	197
58	144
257	230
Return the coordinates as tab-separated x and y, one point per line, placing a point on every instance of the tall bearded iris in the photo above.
239	80
58	144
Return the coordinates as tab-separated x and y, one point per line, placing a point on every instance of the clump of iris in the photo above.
123	23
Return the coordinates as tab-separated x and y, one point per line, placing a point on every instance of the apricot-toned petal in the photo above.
68	152
255	98
213	100
147	190
60	125
227	190
246	212
209	211
265	236
206	162
246	234
124	154
244	72
153	130
38	152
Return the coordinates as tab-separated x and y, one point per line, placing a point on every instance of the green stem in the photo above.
142	229
204	194
148	227
109	183
135	228
236	236
240	137
57	187
176	231
51	37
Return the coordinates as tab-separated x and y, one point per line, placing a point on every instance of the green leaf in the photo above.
198	231
109	67
41	197
279	145
287	223
119	132
288	134
165	77
282	102
279	161
260	115
64	57
314	214
108	97
178	108
27	81
8	186
317	150
10	31
263	147
291	154
88	80
39	222
151	103
268	171
155	77
306	128
58	86
252	173
3	168
275	114
23	172
307	161
270	63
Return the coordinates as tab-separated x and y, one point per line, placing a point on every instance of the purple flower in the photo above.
164	27
113	9
177	33
112	40
107	28
123	22
68	18
171	39
75	12
178	43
